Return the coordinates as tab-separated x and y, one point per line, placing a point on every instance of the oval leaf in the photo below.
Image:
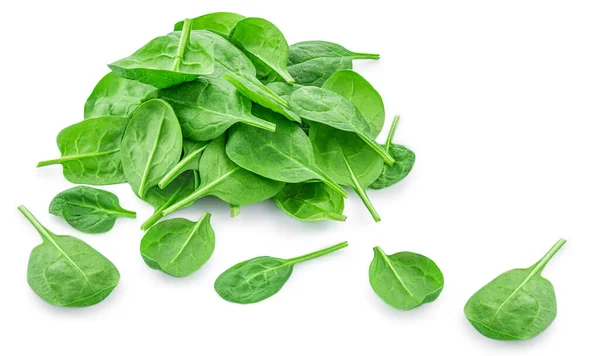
311	202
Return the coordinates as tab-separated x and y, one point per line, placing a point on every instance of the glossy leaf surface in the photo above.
220	23
311	202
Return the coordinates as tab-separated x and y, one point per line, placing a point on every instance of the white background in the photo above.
499	100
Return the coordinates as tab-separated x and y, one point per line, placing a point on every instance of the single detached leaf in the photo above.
91	151
285	155
329	108
404	161
115	96
405	280
516	305
178	247
169	60
265	45
192	152
220	23
311	202
361	93
313	62
65	271
207	107
221	177
152	145
260	278
88	209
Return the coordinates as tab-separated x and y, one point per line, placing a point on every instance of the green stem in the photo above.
261	124
365	56
548	256
234	210
178	169
183	40
35	222
152	220
336	216
392	132
127	214
365	199
319	253
387	158
199	193
333	185
75	157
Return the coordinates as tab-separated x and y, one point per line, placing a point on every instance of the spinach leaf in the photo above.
311	202
516	305
404	161
178	247
151	145
285	155
160	199
192	151
347	159
228	58
405	280
169	60
265	45
88	209
220	23
221	177
361	93
313	62
65	271
326	107
260	278
115	96
91	151
207	107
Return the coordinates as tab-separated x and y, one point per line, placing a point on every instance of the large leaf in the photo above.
220	23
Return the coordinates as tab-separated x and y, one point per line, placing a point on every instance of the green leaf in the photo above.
405	280
178	247
169	60
234	210
516	305
313	62
265	45
228	58
192	152
65	271
88	209
91	151
260	278
152	145
221	177
220	23
311	202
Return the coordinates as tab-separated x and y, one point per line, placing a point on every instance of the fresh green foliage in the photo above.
285	155
228	58
221	177
260	278
311	202
192	152
404	161
88	209
178	247
326	107
265	45
313	62
115	96
91	151
65	271
207	107
220	23
169	60
516	305
151	144
405	280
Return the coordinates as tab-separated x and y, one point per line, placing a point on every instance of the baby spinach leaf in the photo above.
260	278
91	151
151	145
169	60
207	107
285	155
221	177
65	271
88	209
220	23
228	58
115	96
404	161
265	45
326	107
311	202
160	199
178	247
361	93
313	62
516	305
192	151
347	159
405	280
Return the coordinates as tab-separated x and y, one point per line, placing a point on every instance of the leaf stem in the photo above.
128	214
35	222
261	124
392	132
365	56
548	256
183	41
197	194
177	170
333	185
152	220
319	253
234	210
387	158
337	217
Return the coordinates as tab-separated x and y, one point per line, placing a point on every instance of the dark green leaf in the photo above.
311	202
220	23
